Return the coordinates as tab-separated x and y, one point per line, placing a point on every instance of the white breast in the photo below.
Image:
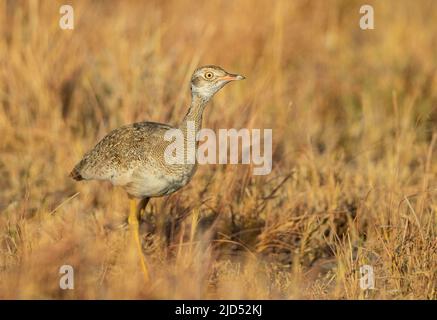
152	183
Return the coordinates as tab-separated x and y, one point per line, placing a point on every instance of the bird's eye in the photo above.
208	75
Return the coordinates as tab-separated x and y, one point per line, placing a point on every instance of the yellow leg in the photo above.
134	225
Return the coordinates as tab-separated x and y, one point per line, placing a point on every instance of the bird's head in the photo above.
207	80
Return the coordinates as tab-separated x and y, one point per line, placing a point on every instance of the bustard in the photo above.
132	156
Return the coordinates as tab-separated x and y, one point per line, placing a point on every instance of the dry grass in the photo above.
353	115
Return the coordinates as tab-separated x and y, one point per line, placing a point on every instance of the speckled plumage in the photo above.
132	156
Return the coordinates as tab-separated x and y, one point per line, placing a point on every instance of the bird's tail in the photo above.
75	174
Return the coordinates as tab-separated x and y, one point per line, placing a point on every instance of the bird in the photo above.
133	156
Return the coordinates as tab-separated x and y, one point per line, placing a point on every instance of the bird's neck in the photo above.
193	118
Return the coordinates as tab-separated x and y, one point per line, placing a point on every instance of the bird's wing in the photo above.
120	151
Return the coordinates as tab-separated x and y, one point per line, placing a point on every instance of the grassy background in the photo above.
354	118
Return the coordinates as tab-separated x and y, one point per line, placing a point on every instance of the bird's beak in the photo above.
232	77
